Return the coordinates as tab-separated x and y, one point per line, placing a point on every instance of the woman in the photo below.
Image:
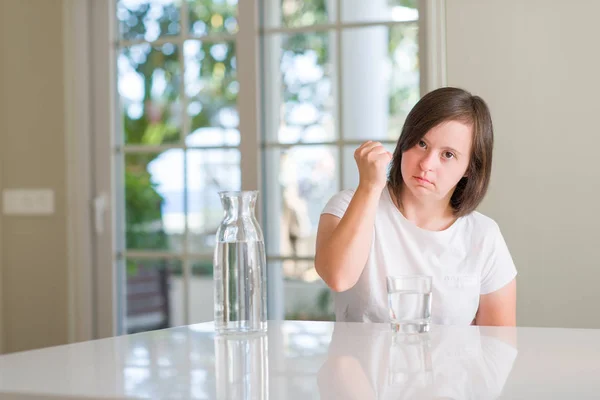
422	220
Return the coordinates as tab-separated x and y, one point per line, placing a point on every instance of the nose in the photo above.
428	161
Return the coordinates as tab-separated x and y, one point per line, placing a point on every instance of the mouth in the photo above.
422	180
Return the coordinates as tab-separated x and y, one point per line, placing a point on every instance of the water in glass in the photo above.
410	303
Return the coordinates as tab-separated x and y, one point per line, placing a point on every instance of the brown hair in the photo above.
451	104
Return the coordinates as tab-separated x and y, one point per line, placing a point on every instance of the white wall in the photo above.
537	65
33	262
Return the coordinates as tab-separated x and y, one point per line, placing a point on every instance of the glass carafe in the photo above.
240	267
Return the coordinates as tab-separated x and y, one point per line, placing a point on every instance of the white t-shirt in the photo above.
466	260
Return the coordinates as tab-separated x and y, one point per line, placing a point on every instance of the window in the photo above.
333	73
179	144
336	73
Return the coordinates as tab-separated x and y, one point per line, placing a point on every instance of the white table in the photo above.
311	360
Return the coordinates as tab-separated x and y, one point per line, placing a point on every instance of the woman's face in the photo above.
433	167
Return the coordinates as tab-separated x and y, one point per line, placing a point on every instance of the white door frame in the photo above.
108	314
89	127
79	190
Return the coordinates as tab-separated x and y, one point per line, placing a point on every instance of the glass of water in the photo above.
409	298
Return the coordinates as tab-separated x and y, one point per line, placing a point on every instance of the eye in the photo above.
422	144
448	155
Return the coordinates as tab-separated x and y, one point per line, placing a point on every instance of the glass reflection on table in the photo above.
368	361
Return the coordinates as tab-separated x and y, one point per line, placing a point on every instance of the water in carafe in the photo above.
240	267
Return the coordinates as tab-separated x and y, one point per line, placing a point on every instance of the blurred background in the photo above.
120	121
172	101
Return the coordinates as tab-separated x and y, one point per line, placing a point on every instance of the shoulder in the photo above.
342	198
481	229
481	224
338	204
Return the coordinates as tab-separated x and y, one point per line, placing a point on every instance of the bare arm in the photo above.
343	245
498	308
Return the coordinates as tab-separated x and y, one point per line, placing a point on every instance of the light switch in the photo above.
28	201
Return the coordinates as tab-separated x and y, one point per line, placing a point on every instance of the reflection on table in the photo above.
370	362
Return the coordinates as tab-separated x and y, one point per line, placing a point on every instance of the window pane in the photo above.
149	80
210	17
351	176
154	200
202	291
296	13
208	173
379	10
211	86
299	182
300	88
148	19
154	294
380	80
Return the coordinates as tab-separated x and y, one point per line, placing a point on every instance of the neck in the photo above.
434	215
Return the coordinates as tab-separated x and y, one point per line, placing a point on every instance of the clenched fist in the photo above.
372	160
